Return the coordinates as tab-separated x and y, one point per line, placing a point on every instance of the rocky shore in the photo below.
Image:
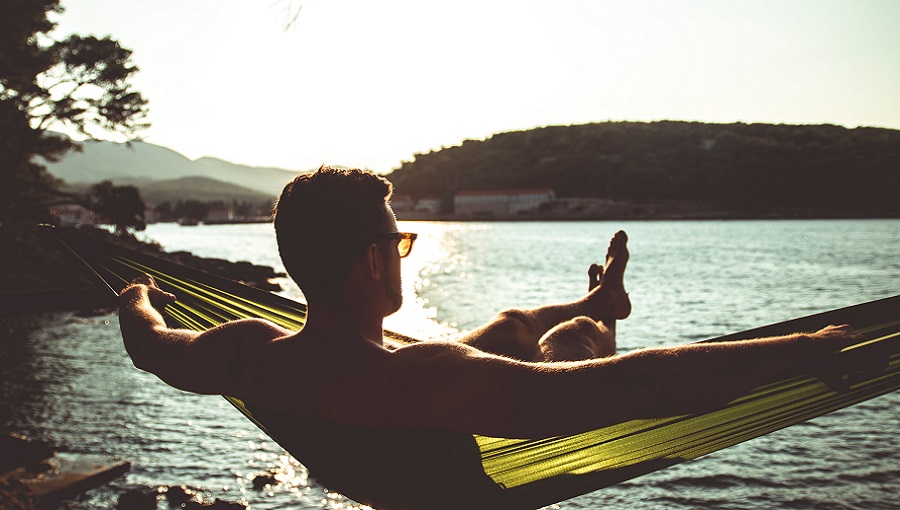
32	477
40	274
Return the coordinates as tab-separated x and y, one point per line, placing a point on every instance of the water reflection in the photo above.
68	380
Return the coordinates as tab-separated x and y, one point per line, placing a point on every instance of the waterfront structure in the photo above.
402	203
500	203
72	215
430	205
220	214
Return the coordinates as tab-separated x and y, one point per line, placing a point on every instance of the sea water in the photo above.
66	379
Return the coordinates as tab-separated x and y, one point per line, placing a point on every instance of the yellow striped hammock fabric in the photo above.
533	473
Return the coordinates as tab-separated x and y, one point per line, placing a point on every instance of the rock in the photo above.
137	499
73	474
177	495
19	452
16	496
260	481
227	505
219	504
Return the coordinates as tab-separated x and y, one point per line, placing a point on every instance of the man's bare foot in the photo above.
595	272
610	295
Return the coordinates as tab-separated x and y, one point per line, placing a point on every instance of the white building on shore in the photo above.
429	205
500	203
72	215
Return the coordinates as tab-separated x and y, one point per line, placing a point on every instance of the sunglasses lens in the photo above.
405	246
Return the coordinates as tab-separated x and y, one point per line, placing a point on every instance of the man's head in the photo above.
325	221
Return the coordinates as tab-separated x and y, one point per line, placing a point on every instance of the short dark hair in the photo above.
322	220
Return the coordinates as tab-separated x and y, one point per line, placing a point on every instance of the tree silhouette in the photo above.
79	83
120	206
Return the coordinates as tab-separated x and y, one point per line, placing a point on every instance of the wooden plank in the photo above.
72	475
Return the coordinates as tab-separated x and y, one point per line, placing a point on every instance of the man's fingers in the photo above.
144	279
844	367
840	336
159	298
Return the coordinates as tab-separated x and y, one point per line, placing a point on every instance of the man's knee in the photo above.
518	323
571	340
580	330
583	326
508	334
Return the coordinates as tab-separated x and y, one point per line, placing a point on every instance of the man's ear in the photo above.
374	264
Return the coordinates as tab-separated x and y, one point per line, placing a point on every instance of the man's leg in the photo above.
578	339
518	333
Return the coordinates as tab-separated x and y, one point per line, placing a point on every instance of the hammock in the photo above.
489	472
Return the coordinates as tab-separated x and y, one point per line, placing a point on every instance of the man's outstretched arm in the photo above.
453	387
209	362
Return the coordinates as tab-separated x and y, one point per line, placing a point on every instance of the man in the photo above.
514	377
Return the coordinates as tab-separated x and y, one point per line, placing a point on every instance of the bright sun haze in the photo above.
369	84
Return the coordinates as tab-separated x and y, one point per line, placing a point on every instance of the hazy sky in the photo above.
370	83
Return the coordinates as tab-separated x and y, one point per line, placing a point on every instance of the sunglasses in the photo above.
406	241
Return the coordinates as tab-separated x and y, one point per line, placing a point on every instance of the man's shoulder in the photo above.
255	328
439	356
434	348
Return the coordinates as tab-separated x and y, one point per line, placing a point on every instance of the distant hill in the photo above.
144	162
823	170
202	189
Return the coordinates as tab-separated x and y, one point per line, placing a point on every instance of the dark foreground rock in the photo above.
262	480
176	496
15	496
20	458
18	452
137	499
33	475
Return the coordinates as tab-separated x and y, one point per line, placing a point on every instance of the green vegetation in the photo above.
120	206
815	170
199	211
81	83
201	189
192	197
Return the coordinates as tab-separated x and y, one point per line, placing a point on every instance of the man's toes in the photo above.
595	273
615	244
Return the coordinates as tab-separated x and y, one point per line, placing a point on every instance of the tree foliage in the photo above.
755	168
120	206
80	83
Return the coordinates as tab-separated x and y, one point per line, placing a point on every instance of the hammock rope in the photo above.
532	473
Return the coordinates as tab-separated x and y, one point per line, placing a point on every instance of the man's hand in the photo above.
840	370
145	285
835	338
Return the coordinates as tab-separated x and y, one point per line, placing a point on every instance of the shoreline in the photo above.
41	275
34	476
551	218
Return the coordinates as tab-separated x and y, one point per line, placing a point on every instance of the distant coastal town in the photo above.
518	204
542	204
600	171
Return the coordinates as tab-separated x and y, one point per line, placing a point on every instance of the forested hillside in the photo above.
740	167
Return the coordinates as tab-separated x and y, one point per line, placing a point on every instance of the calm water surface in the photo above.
68	380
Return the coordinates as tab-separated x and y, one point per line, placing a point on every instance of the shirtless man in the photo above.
513	377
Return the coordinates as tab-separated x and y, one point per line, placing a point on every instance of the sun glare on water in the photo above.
417	317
